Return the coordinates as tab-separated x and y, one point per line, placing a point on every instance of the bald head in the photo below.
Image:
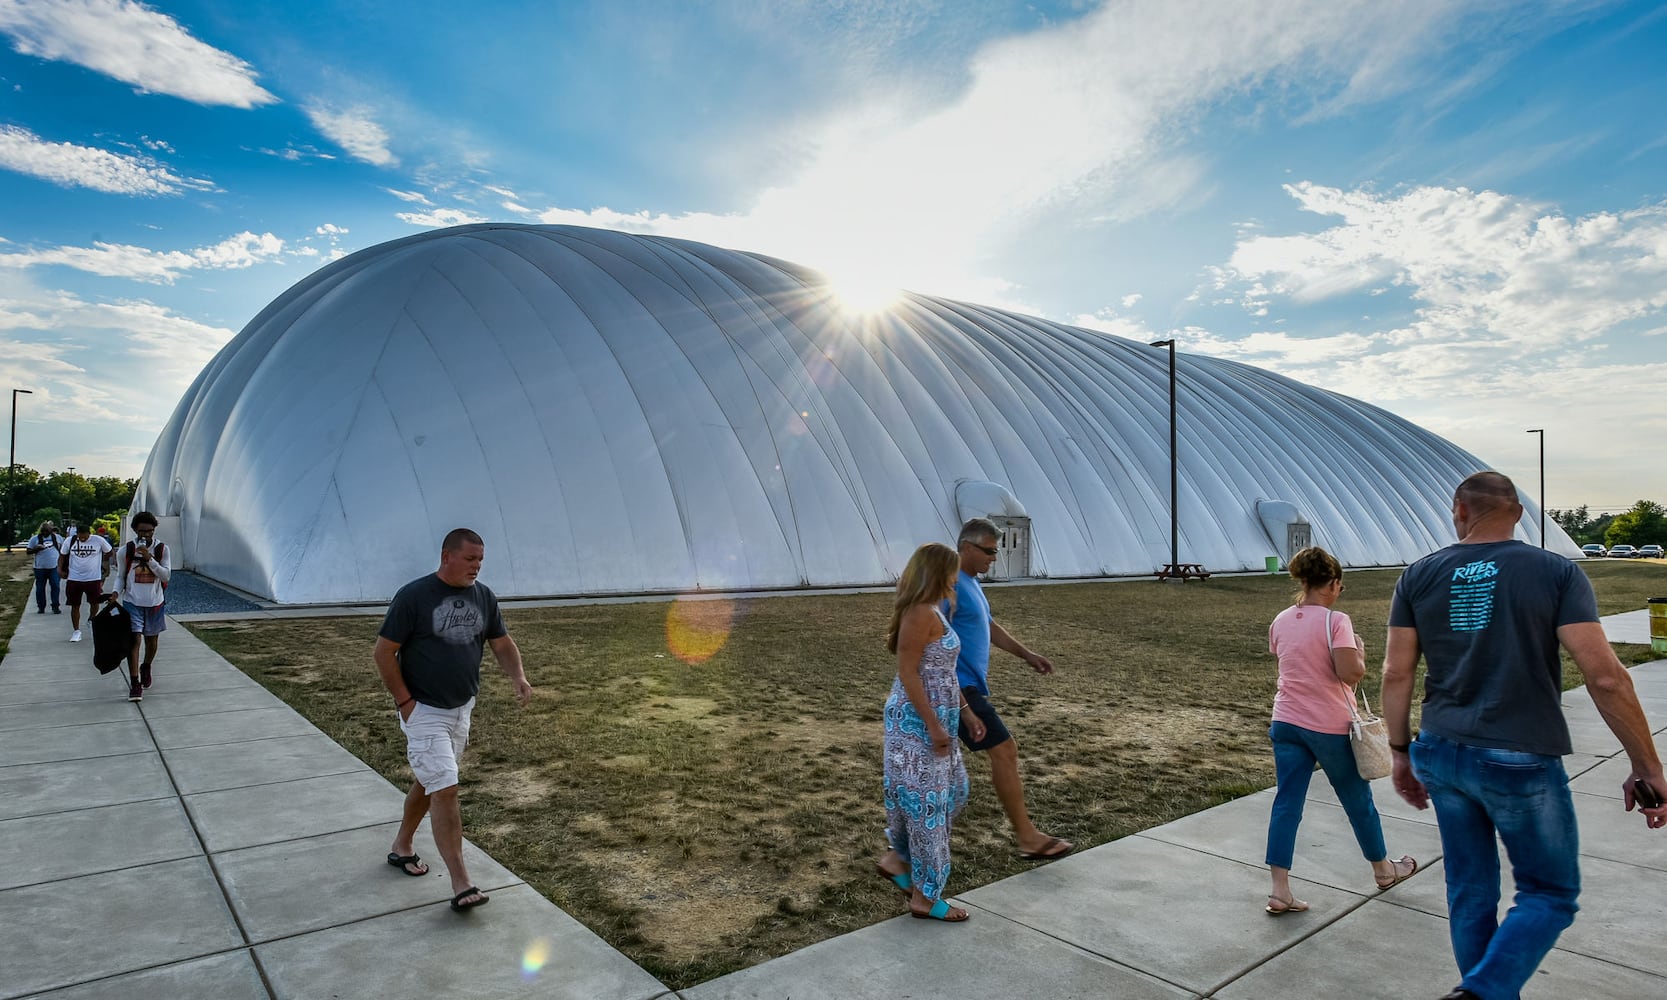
1486	508
1486	492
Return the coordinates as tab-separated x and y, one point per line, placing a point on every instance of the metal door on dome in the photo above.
1013	549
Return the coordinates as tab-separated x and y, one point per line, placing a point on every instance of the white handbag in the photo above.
1368	734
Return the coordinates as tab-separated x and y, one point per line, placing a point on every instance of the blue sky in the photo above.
1454	210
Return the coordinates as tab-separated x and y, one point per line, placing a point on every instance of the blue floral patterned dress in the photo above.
924	791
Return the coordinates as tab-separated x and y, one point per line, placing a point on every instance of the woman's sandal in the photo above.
1397	878
940	910
900	879
1279	907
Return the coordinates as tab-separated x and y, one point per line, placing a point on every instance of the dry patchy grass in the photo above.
705	816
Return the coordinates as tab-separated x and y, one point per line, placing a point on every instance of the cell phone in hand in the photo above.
1644	794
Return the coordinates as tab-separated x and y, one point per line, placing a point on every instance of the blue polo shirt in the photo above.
971	623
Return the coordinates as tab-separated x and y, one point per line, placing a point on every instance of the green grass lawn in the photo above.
706	812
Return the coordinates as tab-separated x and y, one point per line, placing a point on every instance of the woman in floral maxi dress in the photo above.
926	783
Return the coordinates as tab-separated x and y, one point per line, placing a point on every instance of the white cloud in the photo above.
355	131
120	260
331	229
1529	317
295	154
69	165
440	218
1074	124
1107	321
1480	267
80	358
414	197
132	43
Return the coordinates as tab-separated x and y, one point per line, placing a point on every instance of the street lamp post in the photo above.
1541	432
1174	473
11	470
69	499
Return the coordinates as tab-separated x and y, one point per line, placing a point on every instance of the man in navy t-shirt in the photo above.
428	653
1488	615
978	632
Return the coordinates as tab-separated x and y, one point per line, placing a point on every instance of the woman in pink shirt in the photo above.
1320	660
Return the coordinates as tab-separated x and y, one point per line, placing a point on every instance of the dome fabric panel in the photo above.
623	414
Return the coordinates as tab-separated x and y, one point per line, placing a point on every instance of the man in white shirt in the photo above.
85	562
142	588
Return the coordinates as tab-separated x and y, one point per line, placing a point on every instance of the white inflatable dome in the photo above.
631	414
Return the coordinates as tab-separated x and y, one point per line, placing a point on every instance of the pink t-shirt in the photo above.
1310	695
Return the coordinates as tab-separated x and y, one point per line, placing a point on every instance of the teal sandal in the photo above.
940	911
901	880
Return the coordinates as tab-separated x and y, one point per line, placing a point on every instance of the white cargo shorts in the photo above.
434	742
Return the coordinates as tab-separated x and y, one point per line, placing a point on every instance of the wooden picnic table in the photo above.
1183	571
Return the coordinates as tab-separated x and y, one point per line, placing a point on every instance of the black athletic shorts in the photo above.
995	731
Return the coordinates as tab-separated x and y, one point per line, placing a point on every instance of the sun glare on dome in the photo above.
863	294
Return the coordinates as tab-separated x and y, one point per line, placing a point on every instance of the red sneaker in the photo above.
135	692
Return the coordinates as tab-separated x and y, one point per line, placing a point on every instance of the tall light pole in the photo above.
1174	472
1541	432
69	499
11	470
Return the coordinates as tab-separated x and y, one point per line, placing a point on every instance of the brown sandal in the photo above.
1397	878
1279	907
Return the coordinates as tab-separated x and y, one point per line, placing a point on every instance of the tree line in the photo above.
1644	524
64	498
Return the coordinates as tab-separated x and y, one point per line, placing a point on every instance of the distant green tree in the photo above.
61	495
1577	522
1644	524
27	524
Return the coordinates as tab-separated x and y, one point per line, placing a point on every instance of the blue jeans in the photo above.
1525	798
42	578
1295	752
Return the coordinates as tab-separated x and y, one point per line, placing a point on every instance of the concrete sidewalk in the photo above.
1175	912
211	843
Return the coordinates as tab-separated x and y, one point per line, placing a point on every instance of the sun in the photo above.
863	294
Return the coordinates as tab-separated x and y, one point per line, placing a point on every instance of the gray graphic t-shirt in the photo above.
441	631
1487	618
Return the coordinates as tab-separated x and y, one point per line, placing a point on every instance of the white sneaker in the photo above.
75	636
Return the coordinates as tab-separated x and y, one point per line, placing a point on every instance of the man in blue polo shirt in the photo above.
978	632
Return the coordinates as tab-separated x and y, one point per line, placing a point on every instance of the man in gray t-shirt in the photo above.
1488	616
428	654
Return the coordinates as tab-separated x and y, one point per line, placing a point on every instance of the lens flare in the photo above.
533	959
696	630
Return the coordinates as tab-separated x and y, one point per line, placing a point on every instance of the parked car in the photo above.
1650	552
1594	550
1622	552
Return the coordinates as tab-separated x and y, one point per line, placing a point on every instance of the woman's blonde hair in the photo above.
1314	567
927	579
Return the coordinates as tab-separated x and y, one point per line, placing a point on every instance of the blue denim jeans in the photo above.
1524	797
43	577
1295	752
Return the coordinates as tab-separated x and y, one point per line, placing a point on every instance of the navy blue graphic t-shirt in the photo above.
1487	618
441	630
